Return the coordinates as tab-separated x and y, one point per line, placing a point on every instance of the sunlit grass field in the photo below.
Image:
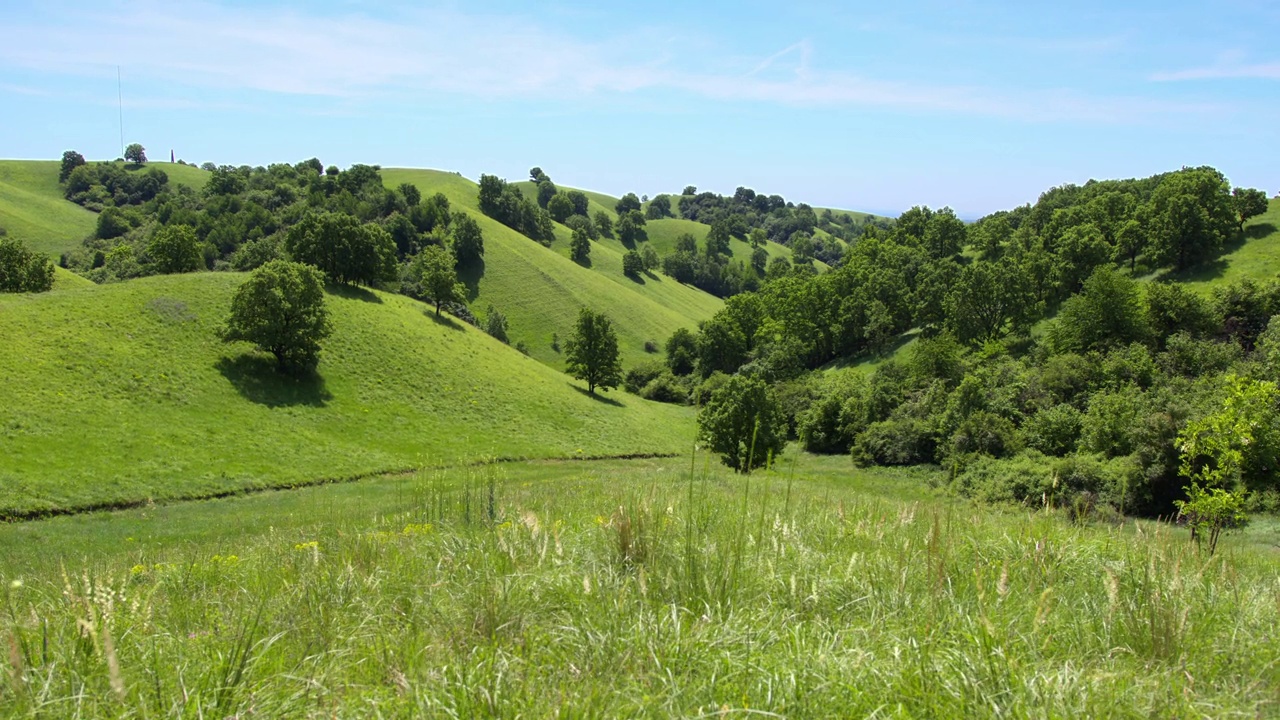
540	290
648	588
124	393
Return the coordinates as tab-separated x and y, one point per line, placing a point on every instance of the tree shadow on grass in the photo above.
635	278
442	319
469	275
256	378
597	397
1259	231
352	292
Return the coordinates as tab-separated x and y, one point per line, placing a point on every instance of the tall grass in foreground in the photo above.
655	594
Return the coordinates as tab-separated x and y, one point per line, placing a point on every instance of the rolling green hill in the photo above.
34	210
121	393
540	289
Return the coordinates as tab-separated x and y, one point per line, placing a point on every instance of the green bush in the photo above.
1054	430
23	270
899	441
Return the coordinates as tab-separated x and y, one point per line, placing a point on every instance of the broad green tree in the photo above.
345	250
1248	202
135	154
1192	215
627	203
281	310
23	270
632	264
434	271
742	423
591	352
175	249
70	161
560	207
1108	312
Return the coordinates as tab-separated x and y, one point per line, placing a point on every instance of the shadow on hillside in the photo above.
1259	231
597	397
352	292
469	276
634	278
442	319
871	356
256	378
584	262
1204	272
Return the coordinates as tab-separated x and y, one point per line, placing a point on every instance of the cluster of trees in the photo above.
711	268
780	220
346	223
1097	406
506	204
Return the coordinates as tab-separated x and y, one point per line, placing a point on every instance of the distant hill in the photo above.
34	209
121	393
541	289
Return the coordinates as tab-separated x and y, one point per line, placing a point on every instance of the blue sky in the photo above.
876	106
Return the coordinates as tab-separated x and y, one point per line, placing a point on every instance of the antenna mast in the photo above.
120	99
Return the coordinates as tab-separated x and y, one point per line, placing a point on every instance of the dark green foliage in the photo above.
1171	308
1109	425
626	204
632	264
640	375
135	154
630	228
23	270
581	205
411	194
434	273
1192	216
70	161
604	225
1108	312
559	206
742	424
1054	430
833	420
175	249
591	352
659	207
985	433
506	204
682	352
280	309
112	223
495	323
468	240
900	441
1247	203
1244	308
580	246
345	250
546	193
650	258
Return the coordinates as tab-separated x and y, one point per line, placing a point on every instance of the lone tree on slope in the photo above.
591	353
280	308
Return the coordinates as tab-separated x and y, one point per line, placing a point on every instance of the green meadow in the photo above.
653	588
124	393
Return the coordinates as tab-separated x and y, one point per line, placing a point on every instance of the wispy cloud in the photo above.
421	53
1255	71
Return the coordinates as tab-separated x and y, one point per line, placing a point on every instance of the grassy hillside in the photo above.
1256	255
34	209
595	201
540	289
123	392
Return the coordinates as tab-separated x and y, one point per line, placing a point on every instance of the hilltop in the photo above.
123	393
